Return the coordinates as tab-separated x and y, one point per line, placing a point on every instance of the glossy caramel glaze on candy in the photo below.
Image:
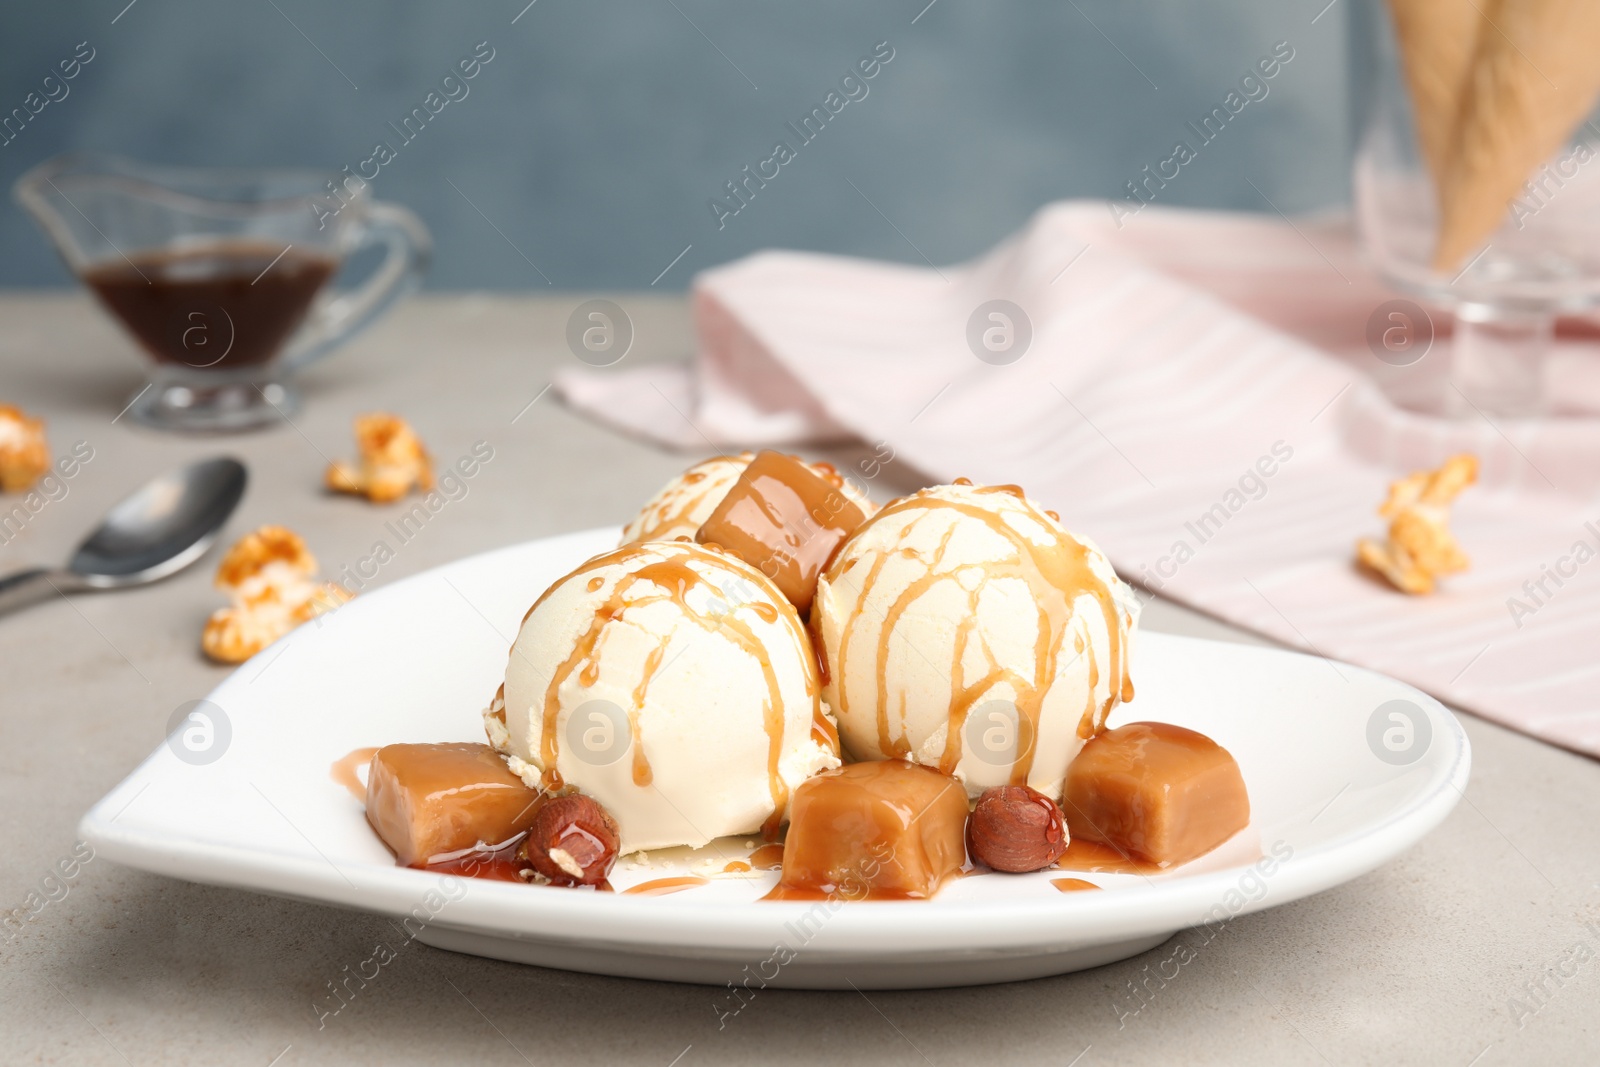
429	801
1156	791
785	520
887	830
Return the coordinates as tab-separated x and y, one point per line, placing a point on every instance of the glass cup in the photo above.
1542	262
220	276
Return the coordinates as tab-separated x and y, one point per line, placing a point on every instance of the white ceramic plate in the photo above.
418	660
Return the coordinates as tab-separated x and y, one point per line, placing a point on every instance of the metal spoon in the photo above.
154	533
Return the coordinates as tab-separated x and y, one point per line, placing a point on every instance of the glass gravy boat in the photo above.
219	275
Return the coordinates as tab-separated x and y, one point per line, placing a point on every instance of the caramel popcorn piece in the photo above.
392	461
24	456
1420	546
270	579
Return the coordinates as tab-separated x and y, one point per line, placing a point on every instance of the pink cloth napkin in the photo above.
1198	397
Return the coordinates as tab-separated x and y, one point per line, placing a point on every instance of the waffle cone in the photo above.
1437	41
1535	76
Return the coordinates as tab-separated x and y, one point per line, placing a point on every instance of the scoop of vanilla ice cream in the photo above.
964	628
673	684
685	503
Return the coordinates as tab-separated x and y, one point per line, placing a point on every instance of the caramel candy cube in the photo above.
785	520
886	830
1155	791
430	801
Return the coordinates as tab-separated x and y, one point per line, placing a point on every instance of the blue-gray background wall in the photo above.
595	137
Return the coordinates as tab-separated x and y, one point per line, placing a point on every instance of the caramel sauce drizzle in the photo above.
901	748
767	858
583	650
642	775
675	577
666	520
815	627
958	673
1008	489
679	577
1064	567
1095	857
828	473
663	519
344	770
659	887
1072	885
823	731
1086	722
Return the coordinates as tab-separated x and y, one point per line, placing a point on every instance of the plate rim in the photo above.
1011	924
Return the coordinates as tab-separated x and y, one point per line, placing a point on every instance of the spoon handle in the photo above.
27	587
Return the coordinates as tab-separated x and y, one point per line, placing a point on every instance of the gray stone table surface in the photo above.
1477	947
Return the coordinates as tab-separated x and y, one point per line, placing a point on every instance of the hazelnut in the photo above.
1014	828
573	841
